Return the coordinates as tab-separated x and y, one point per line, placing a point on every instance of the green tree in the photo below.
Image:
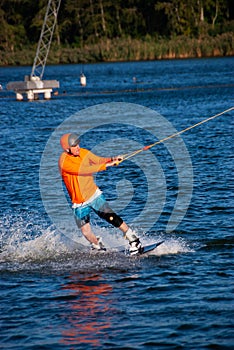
84	22
193	17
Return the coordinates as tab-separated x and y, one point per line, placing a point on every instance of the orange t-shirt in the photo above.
77	173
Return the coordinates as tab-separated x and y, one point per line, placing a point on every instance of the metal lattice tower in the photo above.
46	36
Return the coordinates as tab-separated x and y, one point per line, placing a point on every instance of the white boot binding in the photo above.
134	242
99	246
135	247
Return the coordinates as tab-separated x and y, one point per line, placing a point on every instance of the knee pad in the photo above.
111	217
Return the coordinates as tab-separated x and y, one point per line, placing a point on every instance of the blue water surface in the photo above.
57	295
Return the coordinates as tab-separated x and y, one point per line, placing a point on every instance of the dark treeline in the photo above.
84	24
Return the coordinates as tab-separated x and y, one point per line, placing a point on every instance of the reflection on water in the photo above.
90	310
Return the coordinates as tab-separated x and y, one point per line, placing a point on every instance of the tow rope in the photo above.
145	148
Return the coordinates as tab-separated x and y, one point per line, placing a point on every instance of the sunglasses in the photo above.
75	144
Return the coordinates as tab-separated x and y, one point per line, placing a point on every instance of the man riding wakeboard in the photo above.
77	166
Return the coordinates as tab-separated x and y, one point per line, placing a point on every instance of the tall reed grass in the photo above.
128	49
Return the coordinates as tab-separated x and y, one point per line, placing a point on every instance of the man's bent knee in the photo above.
112	218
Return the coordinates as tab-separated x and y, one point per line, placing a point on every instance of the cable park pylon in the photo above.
33	84
45	40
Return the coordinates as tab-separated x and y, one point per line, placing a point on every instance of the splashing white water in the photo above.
171	246
25	239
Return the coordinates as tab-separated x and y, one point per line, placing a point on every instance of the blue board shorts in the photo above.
100	206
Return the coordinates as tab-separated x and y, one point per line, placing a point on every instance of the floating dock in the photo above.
32	87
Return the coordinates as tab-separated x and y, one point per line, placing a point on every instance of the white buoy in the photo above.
82	79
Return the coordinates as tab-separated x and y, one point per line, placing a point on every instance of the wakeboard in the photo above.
148	248
145	249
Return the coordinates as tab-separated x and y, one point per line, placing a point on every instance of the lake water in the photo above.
55	293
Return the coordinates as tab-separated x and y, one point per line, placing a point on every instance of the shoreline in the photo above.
127	50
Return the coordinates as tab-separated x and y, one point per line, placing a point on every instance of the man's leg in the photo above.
88	233
82	217
123	227
96	242
103	209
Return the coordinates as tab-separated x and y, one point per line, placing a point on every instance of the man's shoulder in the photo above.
85	154
84	151
63	156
